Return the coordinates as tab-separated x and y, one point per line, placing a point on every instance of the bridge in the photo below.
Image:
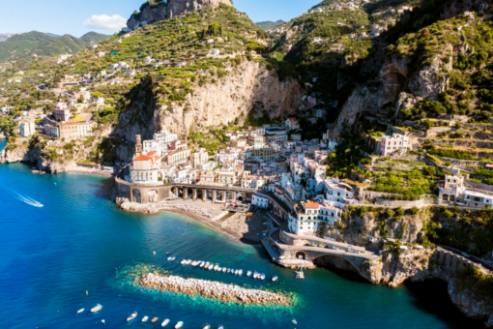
290	250
152	193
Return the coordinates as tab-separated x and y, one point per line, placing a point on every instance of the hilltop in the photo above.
26	45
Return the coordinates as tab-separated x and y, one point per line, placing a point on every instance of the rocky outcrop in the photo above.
157	10
227	293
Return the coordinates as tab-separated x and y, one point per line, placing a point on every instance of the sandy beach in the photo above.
237	226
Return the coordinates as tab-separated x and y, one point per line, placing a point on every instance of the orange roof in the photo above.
151	153
311	205
142	157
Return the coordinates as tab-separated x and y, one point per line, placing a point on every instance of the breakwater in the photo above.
228	293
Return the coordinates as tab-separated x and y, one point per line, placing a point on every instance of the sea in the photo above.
64	246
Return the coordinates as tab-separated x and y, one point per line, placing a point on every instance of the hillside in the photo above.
269	25
27	45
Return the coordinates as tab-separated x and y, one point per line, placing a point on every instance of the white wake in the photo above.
29	201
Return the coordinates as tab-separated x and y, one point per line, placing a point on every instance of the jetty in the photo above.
228	293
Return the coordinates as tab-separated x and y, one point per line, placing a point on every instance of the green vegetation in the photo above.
24	46
482	175
212	140
463	229
409	180
471	71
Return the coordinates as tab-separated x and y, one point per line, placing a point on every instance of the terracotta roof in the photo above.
142	157
311	205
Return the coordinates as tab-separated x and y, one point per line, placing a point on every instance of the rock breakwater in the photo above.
228	293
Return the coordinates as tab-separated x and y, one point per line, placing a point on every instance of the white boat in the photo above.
220	327
165	323
207	327
103	321
154	320
179	325
300	275
275	279
132	316
81	310
145	319
97	308
295	322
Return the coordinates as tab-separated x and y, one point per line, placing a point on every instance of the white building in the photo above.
145	169
27	127
337	192
200	158
455	191
61	112
260	201
397	143
310	216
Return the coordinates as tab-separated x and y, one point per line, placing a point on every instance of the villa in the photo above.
311	215
456	190
397	143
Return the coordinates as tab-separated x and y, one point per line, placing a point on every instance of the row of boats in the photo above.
164	323
205	265
145	319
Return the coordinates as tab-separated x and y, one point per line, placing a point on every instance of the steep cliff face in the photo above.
153	11
418	65
247	89
470	285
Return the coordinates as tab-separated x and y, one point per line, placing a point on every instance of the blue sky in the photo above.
80	16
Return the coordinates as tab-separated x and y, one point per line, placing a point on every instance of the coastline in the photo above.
233	226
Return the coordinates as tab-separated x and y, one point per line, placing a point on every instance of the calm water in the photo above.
50	256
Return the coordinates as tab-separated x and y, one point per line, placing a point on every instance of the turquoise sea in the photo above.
79	241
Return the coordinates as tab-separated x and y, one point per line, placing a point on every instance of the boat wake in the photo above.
29	201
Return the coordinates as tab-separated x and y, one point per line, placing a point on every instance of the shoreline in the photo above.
234	233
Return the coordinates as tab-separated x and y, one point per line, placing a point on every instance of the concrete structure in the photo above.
75	129
146	169
397	143
27	127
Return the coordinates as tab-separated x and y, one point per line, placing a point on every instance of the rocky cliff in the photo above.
248	89
407	255
157	10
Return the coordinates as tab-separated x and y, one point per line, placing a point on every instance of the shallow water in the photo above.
79	241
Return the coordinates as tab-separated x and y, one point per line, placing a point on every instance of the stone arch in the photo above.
300	255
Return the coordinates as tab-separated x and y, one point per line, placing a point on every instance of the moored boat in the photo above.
132	316
207	327
145	318
165	323
179	325
154	320
97	308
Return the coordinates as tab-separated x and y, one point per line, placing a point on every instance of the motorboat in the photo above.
145	319
132	316
207	327
97	308
275	279
154	320
179	325
81	310
165	323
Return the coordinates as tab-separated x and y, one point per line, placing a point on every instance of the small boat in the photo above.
81	310
275	279
145	319
103	321
154	253
165	323
295	322
207	327
300	275
132	316
179	325
97	308
220	327
154	320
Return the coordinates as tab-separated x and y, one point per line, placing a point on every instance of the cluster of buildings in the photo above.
272	159
458	191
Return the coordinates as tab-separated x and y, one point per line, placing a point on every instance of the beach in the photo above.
240	227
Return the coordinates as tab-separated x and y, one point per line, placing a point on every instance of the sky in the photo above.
77	17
